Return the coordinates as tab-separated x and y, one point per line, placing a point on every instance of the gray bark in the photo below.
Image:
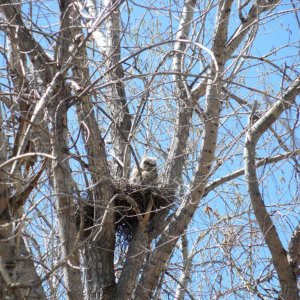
42	63
186	270
293	251
177	154
99	251
64	188
186	210
287	278
116	96
16	263
142	274
135	258
222	51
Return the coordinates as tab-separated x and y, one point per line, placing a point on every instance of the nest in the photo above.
136	203
133	203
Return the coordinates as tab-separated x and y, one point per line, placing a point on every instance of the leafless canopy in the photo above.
209	90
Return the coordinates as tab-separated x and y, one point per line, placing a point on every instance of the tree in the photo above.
210	89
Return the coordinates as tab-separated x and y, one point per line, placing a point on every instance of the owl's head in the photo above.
148	163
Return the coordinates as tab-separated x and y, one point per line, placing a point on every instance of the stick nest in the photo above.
133	203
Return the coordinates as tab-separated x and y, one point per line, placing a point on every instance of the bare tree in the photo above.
208	91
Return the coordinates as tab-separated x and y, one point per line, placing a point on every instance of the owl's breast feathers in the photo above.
149	177
148	171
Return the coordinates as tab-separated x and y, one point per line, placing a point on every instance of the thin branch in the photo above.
21	156
240	172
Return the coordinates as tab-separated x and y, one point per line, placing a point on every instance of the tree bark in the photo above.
177	153
287	278
115	96
99	250
135	258
65	190
187	209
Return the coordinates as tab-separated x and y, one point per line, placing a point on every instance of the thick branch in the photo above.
294	251
65	190
100	275
182	287
279	256
186	211
116	96
38	110
179	143
286	276
135	258
258	7
276	110
25	40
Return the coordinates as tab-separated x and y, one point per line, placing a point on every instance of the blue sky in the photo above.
279	188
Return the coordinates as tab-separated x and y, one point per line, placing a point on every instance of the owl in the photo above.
149	172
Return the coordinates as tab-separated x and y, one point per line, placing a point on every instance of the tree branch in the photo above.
240	172
176	157
188	207
293	251
287	278
25	40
